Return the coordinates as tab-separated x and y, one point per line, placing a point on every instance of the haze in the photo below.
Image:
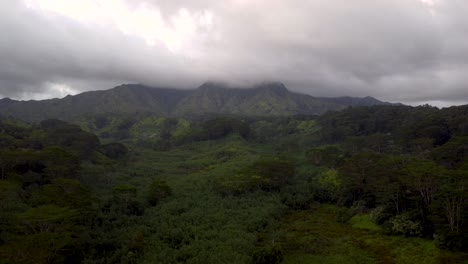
410	51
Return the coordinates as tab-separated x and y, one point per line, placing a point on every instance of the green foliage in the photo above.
267	173
343	215
404	165
46	218
45	247
221	127
268	255
453	153
327	186
124	201
300	196
59	162
238	184
312	236
63	192
328	156
364	221
114	150
68	136
158	190
308	126
406	224
357	175
450	240
274	172
380	215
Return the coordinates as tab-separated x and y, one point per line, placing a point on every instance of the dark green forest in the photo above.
377	184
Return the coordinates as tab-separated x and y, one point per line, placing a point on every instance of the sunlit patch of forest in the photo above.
381	184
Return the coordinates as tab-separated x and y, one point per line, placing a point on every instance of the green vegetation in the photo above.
364	221
314	236
382	184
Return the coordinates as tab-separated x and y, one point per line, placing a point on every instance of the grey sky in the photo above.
411	51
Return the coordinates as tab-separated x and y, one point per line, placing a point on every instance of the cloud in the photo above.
410	51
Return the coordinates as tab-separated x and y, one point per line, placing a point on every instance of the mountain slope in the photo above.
121	99
355	101
265	99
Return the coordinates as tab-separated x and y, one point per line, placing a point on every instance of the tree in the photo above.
221	127
389	183
357	175
47	218
329	156
65	193
424	177
273	172
452	199
452	153
157	191
328	185
114	150
6	163
59	163
124	201
405	224
268	255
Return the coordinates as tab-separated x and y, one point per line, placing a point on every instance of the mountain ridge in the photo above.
264	99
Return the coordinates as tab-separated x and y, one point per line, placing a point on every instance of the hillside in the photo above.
267	99
121	99
355	101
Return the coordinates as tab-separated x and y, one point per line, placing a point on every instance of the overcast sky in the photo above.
410	51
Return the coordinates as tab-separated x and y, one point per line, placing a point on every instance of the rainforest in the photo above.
365	184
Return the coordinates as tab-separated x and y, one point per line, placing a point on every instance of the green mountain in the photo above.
356	101
266	99
121	99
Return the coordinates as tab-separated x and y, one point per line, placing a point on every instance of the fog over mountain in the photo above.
409	51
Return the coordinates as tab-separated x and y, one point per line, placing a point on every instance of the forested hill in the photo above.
267	99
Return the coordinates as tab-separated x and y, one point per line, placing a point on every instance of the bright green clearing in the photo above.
314	236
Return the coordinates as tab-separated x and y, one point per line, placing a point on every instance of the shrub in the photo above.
379	215
299	197
327	186
359	207
449	240
238	184
405	225
124	201
268	255
275	172
267	174
113	150
158	190
343	215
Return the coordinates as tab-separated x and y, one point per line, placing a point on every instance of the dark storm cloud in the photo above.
398	50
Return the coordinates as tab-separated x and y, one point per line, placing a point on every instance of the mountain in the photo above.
262	100
266	99
128	98
355	101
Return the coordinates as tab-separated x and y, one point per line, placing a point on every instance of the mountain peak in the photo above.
272	87
213	85
275	86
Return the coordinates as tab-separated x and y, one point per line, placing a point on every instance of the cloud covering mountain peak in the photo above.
414	51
